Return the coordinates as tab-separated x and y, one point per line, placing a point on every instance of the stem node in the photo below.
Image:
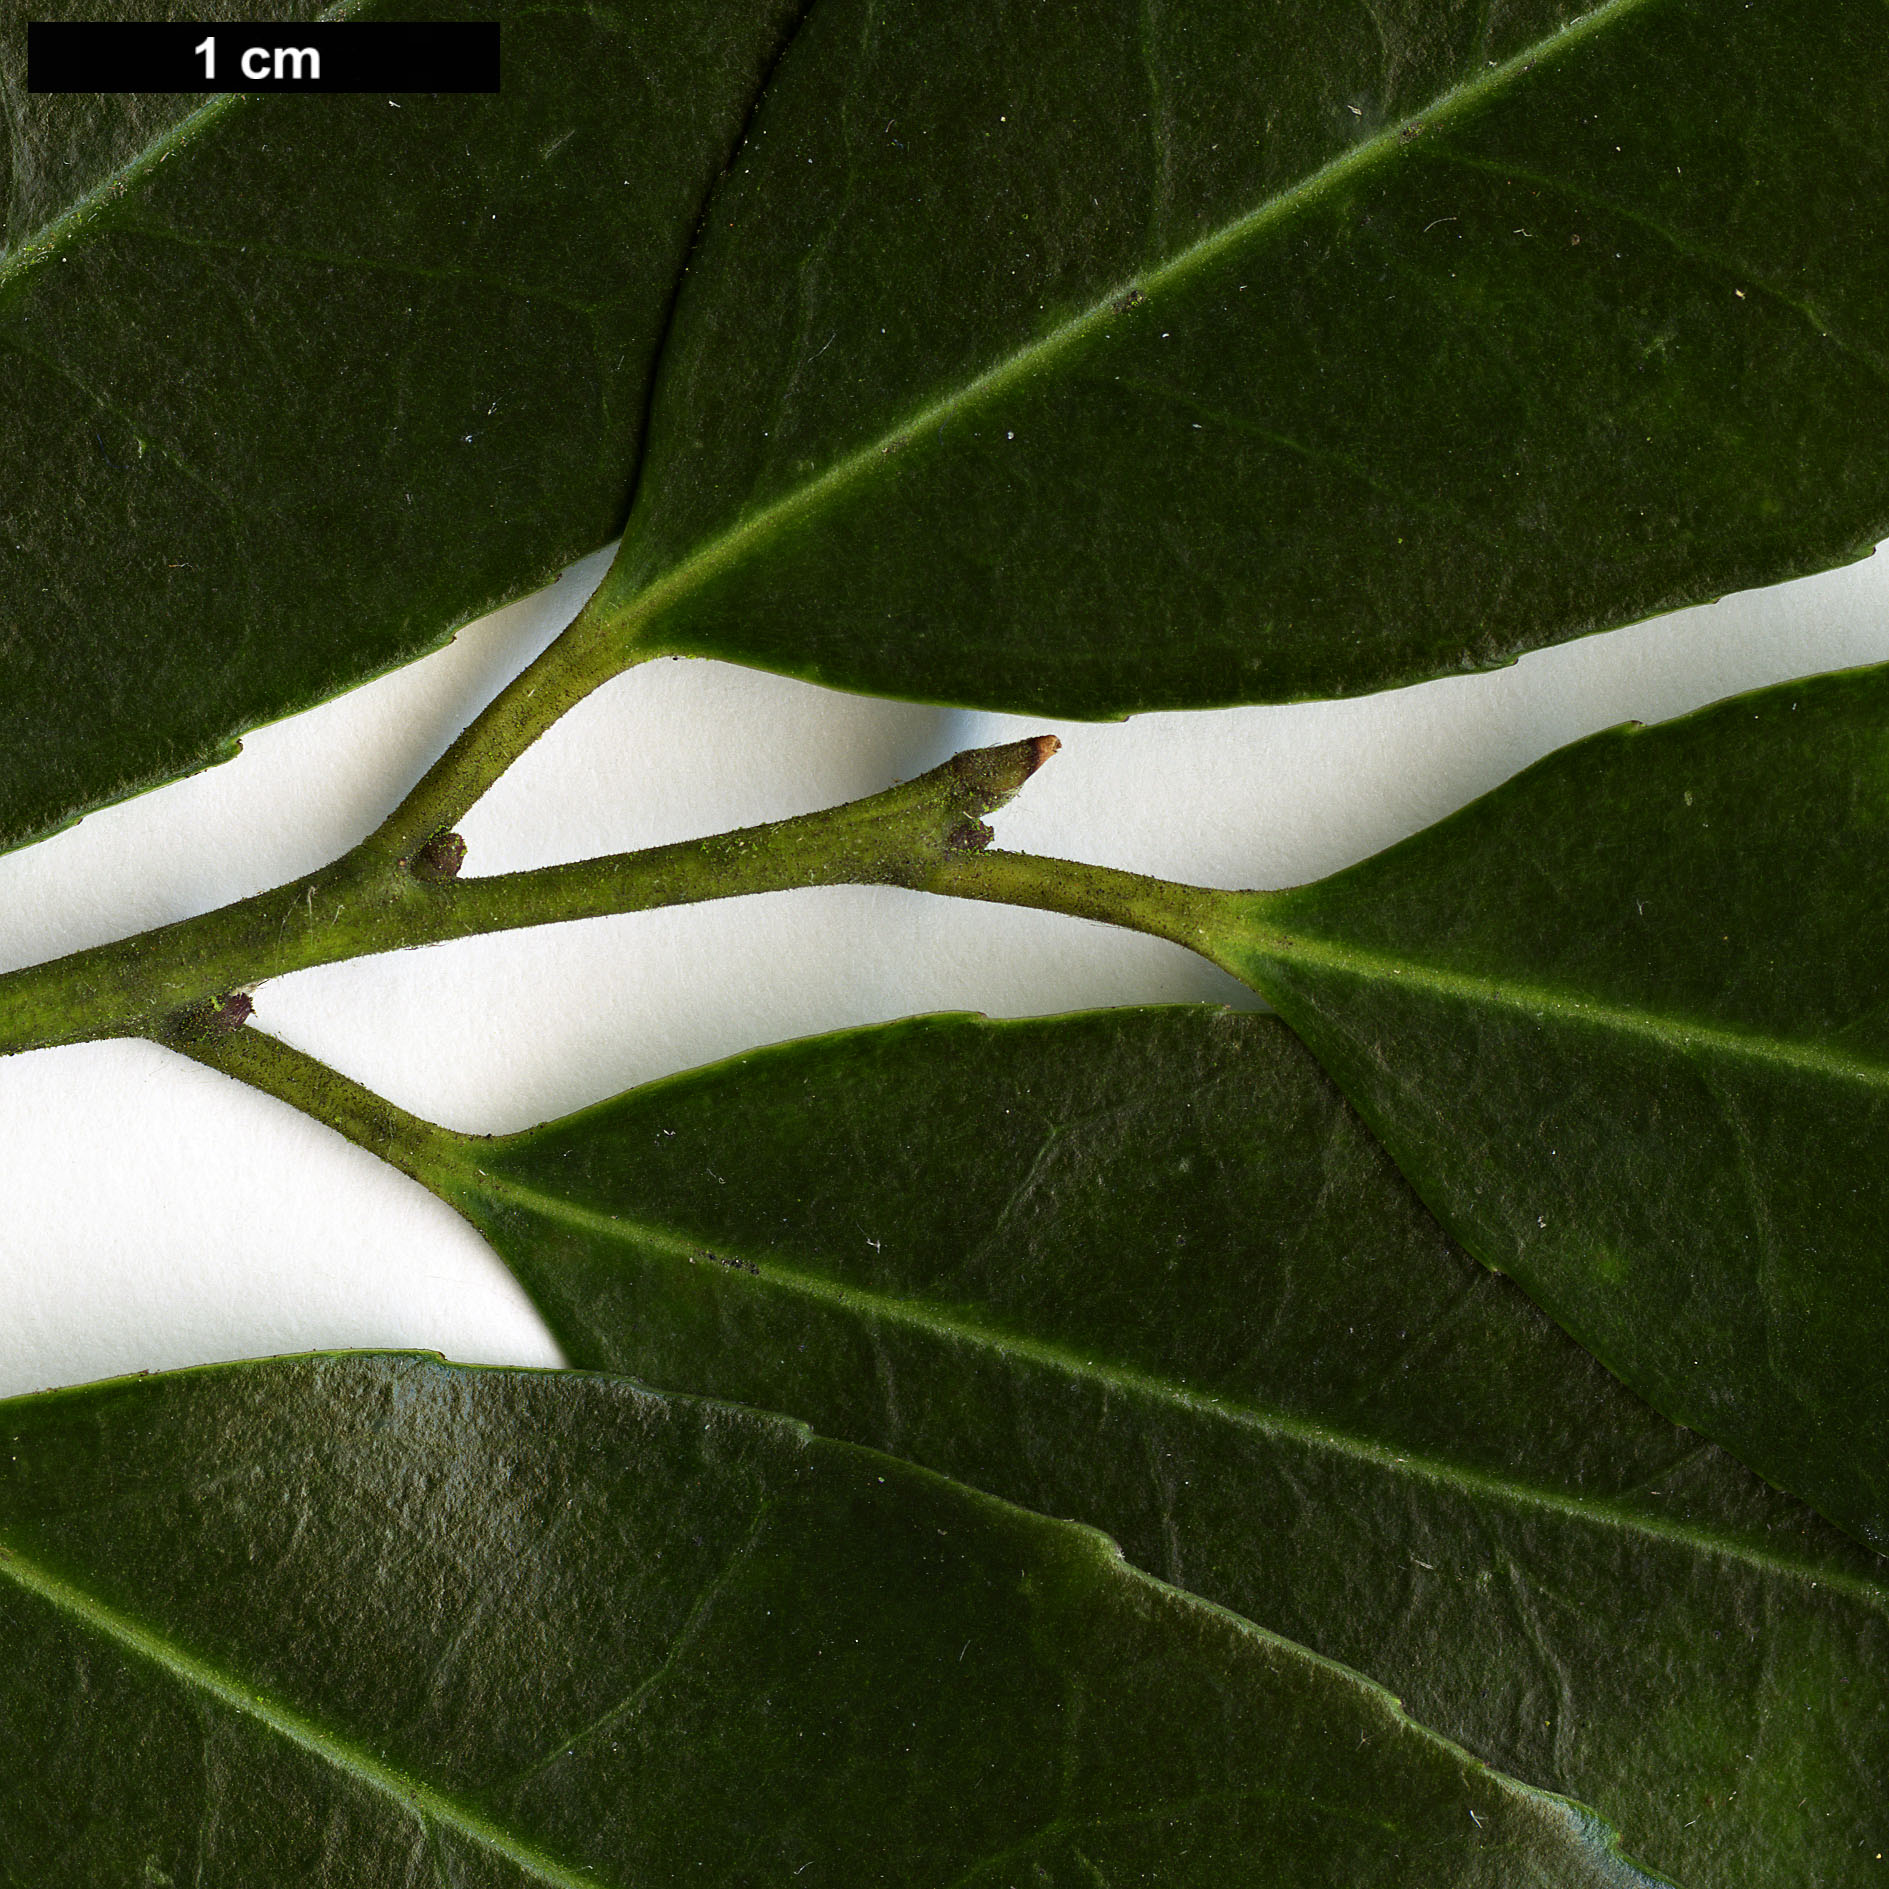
205	1022
184	984
439	859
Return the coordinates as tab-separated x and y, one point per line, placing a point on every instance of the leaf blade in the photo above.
1674	1111
713	1653
247	413
951	1239
1157	492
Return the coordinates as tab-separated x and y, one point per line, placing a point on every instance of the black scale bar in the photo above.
216	56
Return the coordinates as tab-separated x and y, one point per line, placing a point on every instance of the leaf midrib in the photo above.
642	607
400	1787
1684	1035
949	1323
35	249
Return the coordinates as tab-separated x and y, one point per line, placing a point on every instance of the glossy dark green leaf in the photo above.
360	1621
1146	1269
303	382
1623	1024
1095	356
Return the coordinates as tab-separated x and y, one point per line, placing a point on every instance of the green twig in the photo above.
215	1034
417	1147
1186	915
926	835
585	655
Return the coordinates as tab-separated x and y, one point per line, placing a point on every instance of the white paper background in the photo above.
153	1214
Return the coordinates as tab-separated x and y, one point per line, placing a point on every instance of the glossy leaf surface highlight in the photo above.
362	1621
1088	358
1146	1269
307	381
1623	1023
